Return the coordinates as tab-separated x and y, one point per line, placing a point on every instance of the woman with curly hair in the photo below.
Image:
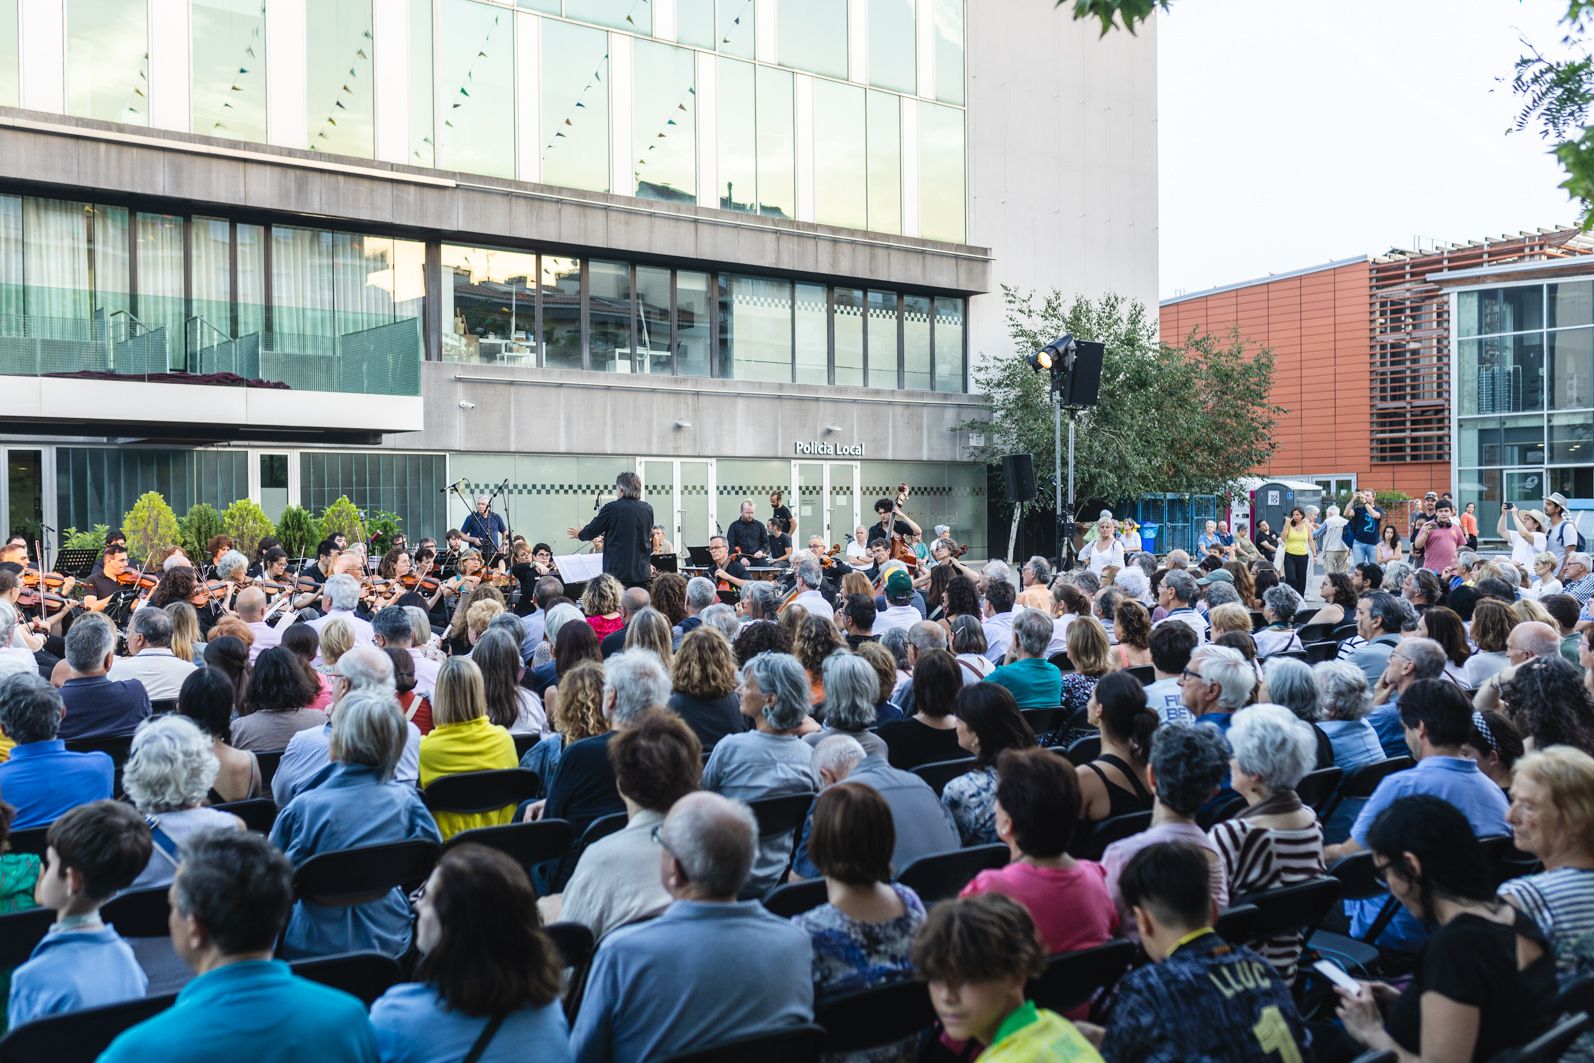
1548	702
1339	601
703	686
669	596
816	639
601	604
760	636
576	714
962	599
1492	622
1131	623
176	585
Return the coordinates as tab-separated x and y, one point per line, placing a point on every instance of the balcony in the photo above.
112	369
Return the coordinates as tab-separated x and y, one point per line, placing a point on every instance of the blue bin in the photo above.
1148	537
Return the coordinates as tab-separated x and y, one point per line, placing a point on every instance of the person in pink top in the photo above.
1037	813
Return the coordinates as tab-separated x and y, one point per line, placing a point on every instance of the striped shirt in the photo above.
1258	859
1561	902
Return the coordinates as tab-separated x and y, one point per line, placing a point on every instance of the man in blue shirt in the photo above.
710	968
1216	684
92	852
41	779
483	527
229	901
1411	660
1437	719
95	705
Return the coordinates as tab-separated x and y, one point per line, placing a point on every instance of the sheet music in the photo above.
579	568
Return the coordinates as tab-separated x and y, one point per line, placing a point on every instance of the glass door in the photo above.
24	498
271	471
681	492
1525	487
824	500
842	492
658	491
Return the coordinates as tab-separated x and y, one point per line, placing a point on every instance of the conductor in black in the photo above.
626	525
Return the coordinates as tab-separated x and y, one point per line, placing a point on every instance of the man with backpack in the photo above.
1563	536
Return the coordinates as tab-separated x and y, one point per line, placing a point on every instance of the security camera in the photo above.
466	404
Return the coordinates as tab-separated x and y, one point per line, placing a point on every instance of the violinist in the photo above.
32	631
107	583
729	572
946	552
326	552
257	564
398	566
779	542
468	572
218	546
273	567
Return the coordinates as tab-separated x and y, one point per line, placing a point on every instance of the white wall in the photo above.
1062	157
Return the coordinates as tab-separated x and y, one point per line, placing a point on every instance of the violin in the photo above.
141	580
425	584
272	586
32	577
32	597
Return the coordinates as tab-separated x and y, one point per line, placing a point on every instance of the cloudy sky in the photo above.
1297	132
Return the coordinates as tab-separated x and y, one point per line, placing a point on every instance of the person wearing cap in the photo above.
1424	516
1217	575
1528	540
1440	539
899	610
1560	531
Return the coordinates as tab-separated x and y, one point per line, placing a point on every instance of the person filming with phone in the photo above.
1440	539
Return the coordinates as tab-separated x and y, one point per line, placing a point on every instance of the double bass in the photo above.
898	548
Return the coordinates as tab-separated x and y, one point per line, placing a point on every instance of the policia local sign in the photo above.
819	449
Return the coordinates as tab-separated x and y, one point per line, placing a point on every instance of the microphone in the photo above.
597	496
451	486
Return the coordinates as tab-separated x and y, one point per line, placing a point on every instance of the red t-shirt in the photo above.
605	626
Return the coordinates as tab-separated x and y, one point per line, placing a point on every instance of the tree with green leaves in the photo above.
299	531
1185	420
247	523
151	528
342	518
201	524
383	527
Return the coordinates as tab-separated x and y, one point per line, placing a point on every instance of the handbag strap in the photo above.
163	841
484	1038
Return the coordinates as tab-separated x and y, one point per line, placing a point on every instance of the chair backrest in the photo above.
1316	787
78	1035
355	876
1219	809
1258	621
1358	878
576	945
1143	672
1362	782
1237	923
1299	655
139	913
20	932
940	876
1083	750
482	791
1549	1045
1061	661
782	813
789	1044
1043	720
163	706
874	1017
1310	633
268	767
258	813
1075	977
524	843
366	975
795	898
1506	861
1576	995
1089	845
940	772
117	747
1343	631
524	742
30	840
1318	652
1296	908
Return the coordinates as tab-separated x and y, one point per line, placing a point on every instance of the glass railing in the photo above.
381	360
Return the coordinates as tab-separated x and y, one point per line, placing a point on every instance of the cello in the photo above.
898	548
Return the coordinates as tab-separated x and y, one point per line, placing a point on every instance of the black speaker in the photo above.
1018	473
1083	385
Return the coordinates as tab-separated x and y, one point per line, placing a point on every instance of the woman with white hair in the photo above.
167	777
1106	550
1290	683
1544	582
849	706
1277	840
1279	605
1132	581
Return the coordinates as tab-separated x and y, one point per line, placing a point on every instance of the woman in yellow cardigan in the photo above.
463	739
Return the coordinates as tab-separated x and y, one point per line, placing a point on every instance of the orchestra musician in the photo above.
111	538
483	527
904	526
218	546
626	527
747	535
326	552
779	541
780	512
729	572
661	543
103	585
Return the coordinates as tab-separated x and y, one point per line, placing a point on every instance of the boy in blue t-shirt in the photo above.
91	853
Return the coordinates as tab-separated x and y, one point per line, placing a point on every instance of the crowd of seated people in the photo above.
701	726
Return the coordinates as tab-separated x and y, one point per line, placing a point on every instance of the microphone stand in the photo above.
469	509
502	489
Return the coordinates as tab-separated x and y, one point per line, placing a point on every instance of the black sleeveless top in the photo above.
1121	801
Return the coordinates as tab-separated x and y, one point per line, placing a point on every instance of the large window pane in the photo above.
251	279
893	45
1573	482
210	252
107	61
228	80
11	272
948	344
948	16
1497	310
694	23
1501	374
489	305
812	35
1570	304
609	315
476	89
813	335
885	163
423	150
1571	369
108	265
883	339
160	280
377	280
941	199
738	137
575	106
302	307
633	15
9	86
561	312
56	266
653	321
849	336
777	160
664	123
693	314
338	63
916	342
736	22
1571	438
755	328
840	184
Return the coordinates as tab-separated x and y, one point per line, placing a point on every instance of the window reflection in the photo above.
423	146
561	311
609	315
338	64
777	162
948	344
653	346
840	185
812	35
633	15
737	136
228	75
160	280
882	339
476	88
664	123
489	305
916	342
893	45
941	200
1572	369
755	328
736	21
575	106
693	338
885	163
849	336
813	345
251	284
107	61
948	17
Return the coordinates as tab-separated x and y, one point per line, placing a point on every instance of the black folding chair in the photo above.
782	813
356	876
1318	652
1258	621
875	1017
1576	995
473	792
576	945
1550	1045
1358	879
28	841
1143	672
1316	787
1311	633
268	768
1362	782
1220	809
1506	861
258	813
1083	750
20	932
789	1044
1237	923
1072	978
524	742
795	898
1295	909
163	707
78	1036
1343	632
596	831
366	975
939	773
1042	721
1061	662
1090	844
524	843
139	913
941	876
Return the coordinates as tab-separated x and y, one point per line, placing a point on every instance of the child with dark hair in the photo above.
92	852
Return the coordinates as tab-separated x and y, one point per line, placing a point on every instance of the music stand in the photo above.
666	562
77	563
700	557
730	597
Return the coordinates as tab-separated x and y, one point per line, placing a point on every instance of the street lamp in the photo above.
1057	358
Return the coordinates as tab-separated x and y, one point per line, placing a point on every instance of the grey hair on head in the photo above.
723	617
700	593
851	689
1292	683
780	676
1342	690
634	682
714	839
369	728
230	565
88	641
1273	744
838	754
810	574
760	599
171	767
343	591
1283	600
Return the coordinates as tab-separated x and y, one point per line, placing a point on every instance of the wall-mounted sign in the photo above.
821	449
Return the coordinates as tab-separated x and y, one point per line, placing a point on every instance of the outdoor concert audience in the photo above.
40	777
464	739
276	703
168	778
930	734
703	681
95	705
989	722
1114	782
207	700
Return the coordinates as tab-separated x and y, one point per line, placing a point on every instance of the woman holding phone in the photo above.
1298	550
